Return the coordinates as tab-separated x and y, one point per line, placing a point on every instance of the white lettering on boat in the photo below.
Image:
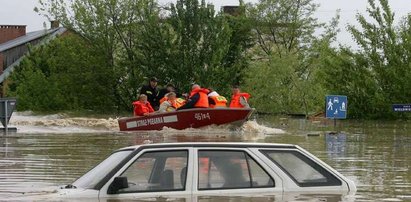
170	119
202	116
152	121
131	124
141	122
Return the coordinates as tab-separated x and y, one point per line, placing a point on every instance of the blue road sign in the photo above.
336	106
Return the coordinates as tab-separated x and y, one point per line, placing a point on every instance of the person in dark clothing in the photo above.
191	102
168	89
198	98
152	93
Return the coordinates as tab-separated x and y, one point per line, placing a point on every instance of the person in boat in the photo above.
239	99
215	100
168	89
172	103
142	107
198	98
152	92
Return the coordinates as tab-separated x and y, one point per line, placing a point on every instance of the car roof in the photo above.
210	144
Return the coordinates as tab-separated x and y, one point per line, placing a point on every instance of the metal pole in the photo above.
335	124
5	117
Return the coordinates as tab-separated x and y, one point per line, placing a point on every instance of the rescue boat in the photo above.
189	118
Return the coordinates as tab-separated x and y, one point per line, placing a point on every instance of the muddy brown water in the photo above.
375	155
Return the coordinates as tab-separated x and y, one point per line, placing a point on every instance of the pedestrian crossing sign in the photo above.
336	106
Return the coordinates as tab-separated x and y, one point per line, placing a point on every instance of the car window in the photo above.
229	170
157	171
95	175
301	169
259	176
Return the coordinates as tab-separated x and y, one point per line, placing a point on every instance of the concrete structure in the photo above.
15	43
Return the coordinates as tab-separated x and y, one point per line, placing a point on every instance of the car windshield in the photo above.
92	177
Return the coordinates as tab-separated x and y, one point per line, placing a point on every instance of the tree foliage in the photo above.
284	26
378	74
286	55
276	49
187	42
65	74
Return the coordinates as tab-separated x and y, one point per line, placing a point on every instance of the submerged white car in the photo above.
187	170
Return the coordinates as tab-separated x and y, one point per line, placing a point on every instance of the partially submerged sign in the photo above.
401	107
7	106
336	106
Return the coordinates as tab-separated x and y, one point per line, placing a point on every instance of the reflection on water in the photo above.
376	155
336	143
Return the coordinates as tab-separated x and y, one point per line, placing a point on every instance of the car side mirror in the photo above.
117	184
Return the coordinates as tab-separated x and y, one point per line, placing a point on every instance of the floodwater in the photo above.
54	150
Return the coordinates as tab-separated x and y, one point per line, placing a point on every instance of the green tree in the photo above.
344	73
65	74
378	74
241	41
112	28
184	43
202	40
34	91
287	54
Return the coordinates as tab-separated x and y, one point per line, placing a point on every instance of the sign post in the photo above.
336	107
7	106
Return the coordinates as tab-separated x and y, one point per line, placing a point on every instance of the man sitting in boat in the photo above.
170	103
239	99
198	98
142	107
215	100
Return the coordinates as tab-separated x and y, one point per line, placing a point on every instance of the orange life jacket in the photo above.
235	100
203	100
220	101
163	99
173	106
140	108
178	102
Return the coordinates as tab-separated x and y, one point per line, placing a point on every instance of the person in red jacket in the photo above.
142	107
239	99
198	98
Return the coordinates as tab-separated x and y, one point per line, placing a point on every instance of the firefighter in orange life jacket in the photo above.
216	100
239	99
198	98
170	103
142	107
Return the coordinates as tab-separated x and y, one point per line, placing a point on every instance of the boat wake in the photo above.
249	127
254	127
27	122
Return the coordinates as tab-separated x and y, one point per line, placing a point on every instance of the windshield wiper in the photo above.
70	186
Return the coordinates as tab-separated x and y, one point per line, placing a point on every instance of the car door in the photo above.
232	172
154	173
